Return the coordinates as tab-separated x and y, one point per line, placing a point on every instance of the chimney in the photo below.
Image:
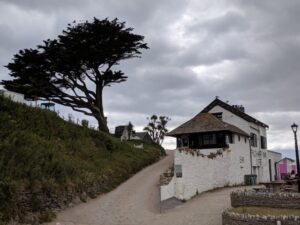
239	107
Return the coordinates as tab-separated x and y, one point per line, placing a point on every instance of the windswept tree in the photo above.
73	69
156	128
129	130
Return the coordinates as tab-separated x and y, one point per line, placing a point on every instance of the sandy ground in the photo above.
136	202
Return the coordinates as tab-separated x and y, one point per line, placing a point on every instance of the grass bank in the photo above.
46	162
266	211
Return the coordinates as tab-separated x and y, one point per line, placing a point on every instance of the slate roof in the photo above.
290	159
234	111
205	122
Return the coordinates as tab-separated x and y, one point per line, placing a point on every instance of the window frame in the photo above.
182	141
218	115
263	142
209	139
253	139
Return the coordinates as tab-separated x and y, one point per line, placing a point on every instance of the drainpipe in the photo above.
250	156
276	176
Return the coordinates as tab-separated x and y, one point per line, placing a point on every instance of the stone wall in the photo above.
268	199
36	203
230	218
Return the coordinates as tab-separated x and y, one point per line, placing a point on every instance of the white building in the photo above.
16	97
217	148
123	133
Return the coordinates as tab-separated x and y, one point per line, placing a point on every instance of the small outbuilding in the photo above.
123	133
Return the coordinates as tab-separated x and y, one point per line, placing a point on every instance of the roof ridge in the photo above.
235	111
205	122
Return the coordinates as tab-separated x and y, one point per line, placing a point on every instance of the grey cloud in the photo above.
259	39
46	6
230	21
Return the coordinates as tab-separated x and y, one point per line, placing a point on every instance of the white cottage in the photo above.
217	148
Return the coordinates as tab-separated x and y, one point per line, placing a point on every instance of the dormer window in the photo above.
218	115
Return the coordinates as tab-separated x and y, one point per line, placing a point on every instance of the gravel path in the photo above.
136	202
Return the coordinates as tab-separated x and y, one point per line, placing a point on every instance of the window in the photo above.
232	138
185	141
209	139
179	142
239	137
245	139
218	115
229	138
178	170
253	139
263	142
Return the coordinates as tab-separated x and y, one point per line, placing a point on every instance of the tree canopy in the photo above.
156	128
73	69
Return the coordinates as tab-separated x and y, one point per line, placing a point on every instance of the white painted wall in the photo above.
274	157
201	174
167	191
259	156
231	118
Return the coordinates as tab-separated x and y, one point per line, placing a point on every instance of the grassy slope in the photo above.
37	148
267	211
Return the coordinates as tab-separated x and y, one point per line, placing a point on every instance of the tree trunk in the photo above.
102	121
102	124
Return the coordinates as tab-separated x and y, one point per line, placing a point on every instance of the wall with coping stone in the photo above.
268	199
167	191
231	218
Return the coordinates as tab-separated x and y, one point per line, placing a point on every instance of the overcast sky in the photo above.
246	52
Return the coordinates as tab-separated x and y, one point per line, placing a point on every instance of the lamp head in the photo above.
294	127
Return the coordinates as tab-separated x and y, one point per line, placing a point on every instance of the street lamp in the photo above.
294	128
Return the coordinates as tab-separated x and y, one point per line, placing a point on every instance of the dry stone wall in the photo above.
268	199
231	218
37	203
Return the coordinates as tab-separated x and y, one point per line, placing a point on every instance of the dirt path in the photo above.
136	202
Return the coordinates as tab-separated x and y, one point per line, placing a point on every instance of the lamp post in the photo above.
294	128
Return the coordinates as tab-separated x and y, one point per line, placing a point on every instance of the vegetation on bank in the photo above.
266	211
42	153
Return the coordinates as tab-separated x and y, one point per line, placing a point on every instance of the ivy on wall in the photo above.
197	152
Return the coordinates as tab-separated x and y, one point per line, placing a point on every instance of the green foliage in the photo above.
46	216
130	130
156	128
40	151
80	60
266	211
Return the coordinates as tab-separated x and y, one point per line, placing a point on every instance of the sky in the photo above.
245	52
